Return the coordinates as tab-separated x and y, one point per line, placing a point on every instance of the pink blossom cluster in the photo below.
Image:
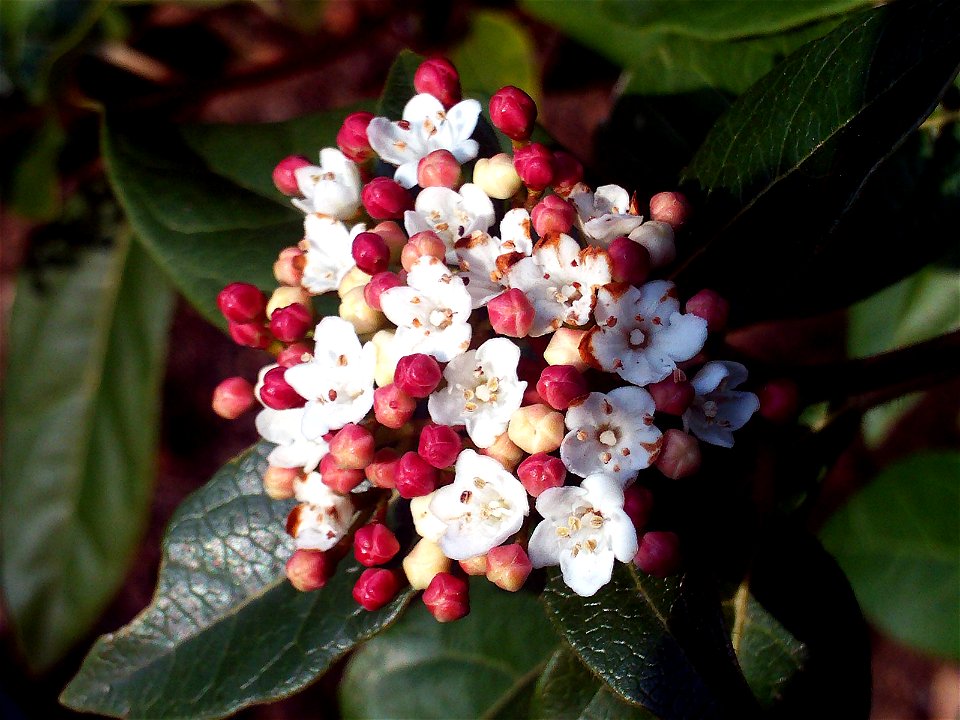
503	366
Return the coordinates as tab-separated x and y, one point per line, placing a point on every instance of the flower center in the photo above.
710	409
485	391
441	318
637	338
568	293
586	523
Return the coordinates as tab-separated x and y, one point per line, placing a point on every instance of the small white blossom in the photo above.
425	127
718	409
294	449
338	381
583	530
427	525
323	520
612	434
483	507
329	252
479	256
452	215
515	234
332	188
431	312
605	214
482	391
657	237
561	281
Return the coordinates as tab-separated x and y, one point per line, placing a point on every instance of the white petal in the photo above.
543	548
586	572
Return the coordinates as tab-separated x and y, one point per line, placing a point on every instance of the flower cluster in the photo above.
504	362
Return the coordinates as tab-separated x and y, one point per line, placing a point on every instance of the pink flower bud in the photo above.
241	302
513	112
385	199
567	172
511	313
375	588
352	137
447	597
679	455
278	482
541	472
276	392
353	447
439	445
337	478
553	214
508	567
382	469
309	570
392	407
504	451
438	77
779	400
638	504
672	397
560	385
417	375
659	553
475	565
414	476
629	261
375	288
534	165
291	323
438	169
294	354
375	544
233	397
393	236
253	335
712	307
672	208
284	178
288	269
370	253
423	243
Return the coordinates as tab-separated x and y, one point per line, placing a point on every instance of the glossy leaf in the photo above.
497	52
398	88
657	643
224	621
898	540
479	666
80	409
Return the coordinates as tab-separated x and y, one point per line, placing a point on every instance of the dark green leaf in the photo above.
476	667
658	643
568	691
898	540
80	407
35	185
225	628
399	86
497	52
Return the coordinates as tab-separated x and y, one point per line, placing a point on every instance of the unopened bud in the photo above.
278	482
370	253
252	334
288	269
779	400
672	208
657	238
385	199
382	469
497	176
508	567
447	597
392	407
564	348
337	478
534	165
375	588
712	307
439	445
352	137
560	385
536	429
284	178
241	302
393	236
679	455
672	397
567	172
475	565
291	323
511	313
294	354
309	570
438	77
354	278
426	243
638	504
659	553
438	169
513	112
375	544
541	472
354	309
629	261
553	214
285	295
504	451
233	397
352	447
414	476
386	364
423	563
418	374
276	392
378	284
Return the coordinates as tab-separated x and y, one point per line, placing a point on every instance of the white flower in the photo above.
584	528
431	312
483	507
331	189
657	238
425	127
718	409
450	214
605	214
561	281
515	232
427	525
482	391
338	381
478	255
612	434
323	521
329	252
294	449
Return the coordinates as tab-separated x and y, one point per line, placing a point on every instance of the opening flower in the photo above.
323	519
605	214
332	188
450	214
718	409
293	448
329	252
477	255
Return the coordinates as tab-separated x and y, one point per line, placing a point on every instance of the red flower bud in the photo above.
385	199
560	385
290	323
392	407
414	476
353	447
337	478
252	334
541	472
672	397
309	569
438	169
567	172
370	253
276	392
439	445
712	307
679	455
352	137
447	597
440	78
638	504
629	261
375	288
672	208
423	243
779	400
553	214
382	470
375	544
659	553
294	354
511	313
241	302
508	567
534	165
417	375
513	112
375	588
284	178
233	397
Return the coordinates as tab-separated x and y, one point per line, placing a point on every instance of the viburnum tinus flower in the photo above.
329	252
718	409
332	188
478	255
605	214
322	519
293	448
450	214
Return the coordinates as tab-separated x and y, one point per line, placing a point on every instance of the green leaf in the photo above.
398	88
657	643
35	185
898	540
476	667
497	52
568	691
80	409
225	625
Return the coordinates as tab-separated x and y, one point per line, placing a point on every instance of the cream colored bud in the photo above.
287	295
386	362
278	482
496	176
505	452
427	524
475	565
354	309
288	269
423	563
564	349
355	277
393	236
536	429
